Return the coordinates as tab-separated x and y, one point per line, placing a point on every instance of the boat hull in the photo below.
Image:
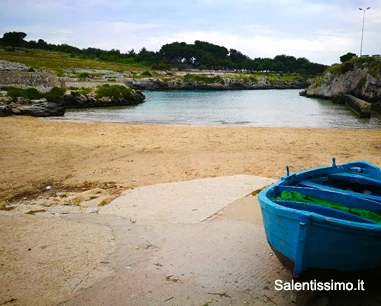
307	241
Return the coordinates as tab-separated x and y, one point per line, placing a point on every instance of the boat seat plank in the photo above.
355	178
325	211
356	194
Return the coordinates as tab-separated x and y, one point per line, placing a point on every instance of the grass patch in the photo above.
113	91
375	68
58	61
83	91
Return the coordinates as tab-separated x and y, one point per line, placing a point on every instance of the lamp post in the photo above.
363	23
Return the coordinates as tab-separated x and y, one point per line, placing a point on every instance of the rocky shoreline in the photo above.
79	86
155	84
42	108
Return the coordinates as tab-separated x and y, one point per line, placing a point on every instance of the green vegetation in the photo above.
113	91
59	61
203	79
55	94
200	55
161	66
31	93
205	55
146	73
347	57
83	76
83	91
373	64
375	68
13	39
317	82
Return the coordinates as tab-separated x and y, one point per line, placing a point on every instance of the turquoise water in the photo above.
266	108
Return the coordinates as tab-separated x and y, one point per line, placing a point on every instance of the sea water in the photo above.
265	108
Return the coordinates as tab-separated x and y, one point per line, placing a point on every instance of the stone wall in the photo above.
42	81
358	106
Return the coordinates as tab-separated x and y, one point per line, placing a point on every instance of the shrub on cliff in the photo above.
203	79
31	93
83	76
146	73
346	57
83	91
113	91
55	94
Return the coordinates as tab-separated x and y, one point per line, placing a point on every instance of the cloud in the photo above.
320	30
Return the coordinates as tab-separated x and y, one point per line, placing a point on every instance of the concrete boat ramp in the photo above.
199	243
178	244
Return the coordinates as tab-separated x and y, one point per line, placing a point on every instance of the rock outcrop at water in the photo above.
156	84
358	77
90	100
16	101
41	108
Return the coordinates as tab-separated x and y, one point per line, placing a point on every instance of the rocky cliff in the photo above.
360	77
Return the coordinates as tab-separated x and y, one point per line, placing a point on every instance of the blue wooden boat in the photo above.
309	238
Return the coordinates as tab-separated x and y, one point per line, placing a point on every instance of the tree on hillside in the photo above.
347	57
13	39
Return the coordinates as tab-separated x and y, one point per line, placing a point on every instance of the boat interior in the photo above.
353	187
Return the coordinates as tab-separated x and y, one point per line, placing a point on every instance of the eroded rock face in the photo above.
37	109
81	101
358	82
5	111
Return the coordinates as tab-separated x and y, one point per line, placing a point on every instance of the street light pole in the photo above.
363	23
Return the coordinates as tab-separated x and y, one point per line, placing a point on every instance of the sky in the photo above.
319	30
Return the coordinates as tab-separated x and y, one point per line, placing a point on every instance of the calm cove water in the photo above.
266	108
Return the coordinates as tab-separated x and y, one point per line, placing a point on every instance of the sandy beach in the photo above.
36	153
127	252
